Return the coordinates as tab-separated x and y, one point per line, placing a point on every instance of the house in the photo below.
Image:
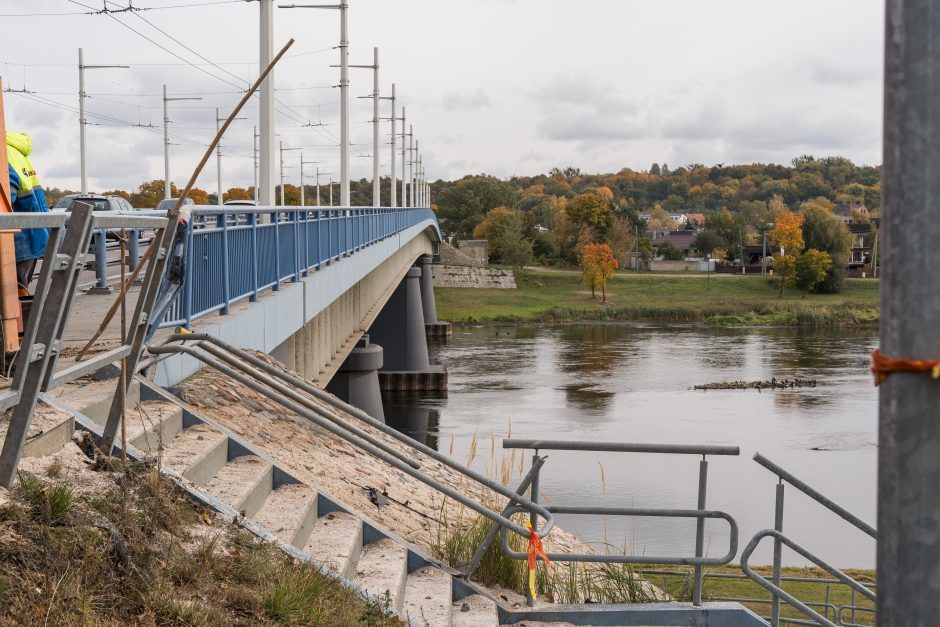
695	218
683	240
847	211
863	240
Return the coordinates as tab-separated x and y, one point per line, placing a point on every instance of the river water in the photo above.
629	383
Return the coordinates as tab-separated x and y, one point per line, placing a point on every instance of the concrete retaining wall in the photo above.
463	276
676	266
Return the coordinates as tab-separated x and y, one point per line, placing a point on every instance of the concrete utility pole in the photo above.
344	91
218	157
283	150
331	191
394	184
909	425
376	191
414	175
302	163
166	141
411	163
404	161
82	122
266	108
254	154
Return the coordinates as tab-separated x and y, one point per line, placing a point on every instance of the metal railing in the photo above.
282	388
236	252
780	540
51	305
700	513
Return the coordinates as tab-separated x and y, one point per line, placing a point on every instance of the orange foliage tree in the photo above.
787	234
597	265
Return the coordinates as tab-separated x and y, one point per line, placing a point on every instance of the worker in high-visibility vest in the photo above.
27	196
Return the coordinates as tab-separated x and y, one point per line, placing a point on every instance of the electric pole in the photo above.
394	184
283	150
266	109
254	155
376	191
404	184
82	122
166	141
344	91
218	156
302	163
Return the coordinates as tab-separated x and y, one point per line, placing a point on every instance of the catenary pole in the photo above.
909	423
254	154
393	187
404	160
82	122
266	106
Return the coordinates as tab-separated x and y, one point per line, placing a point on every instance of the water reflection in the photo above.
610	382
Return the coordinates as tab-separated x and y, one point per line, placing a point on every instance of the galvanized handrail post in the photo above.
101	263
253	227
778	550
275	224
226	289
533	517
295	228
700	530
188	285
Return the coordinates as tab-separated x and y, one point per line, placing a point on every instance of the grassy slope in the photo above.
164	562
545	295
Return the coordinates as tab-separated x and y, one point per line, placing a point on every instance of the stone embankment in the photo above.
474	277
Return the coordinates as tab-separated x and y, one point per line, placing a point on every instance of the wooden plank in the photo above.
10	310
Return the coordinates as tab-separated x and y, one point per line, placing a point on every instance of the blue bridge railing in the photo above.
238	252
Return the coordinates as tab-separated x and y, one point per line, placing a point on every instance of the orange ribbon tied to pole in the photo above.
535	551
883	367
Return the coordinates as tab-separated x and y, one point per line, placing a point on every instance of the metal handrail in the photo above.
786	596
621	447
293	242
250	377
634	559
809	491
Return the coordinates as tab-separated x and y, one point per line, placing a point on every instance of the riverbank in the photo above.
724	300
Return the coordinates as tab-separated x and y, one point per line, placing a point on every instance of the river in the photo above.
630	383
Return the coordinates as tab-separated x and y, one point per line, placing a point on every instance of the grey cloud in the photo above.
470	101
826	72
577	108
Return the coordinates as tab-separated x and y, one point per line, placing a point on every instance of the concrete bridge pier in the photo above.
433	327
357	380
400	330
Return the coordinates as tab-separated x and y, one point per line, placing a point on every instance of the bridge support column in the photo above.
433	327
357	381
399	329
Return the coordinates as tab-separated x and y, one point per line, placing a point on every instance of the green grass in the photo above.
679	587
559	296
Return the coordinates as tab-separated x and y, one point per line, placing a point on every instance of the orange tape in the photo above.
534	552
883	367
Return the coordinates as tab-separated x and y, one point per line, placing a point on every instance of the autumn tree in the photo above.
505	230
198	196
118	192
237	193
591	211
597	265
621	238
149	194
787	235
810	269
707	241
823	231
464	205
660	220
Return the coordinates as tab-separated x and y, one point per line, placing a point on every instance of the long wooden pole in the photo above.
179	203
10	311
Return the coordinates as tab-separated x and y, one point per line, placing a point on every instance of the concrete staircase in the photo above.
226	473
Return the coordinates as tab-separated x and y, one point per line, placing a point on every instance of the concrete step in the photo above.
99	405
197	453
290	512
473	611
427	597
383	569
152	425
337	542
49	430
244	483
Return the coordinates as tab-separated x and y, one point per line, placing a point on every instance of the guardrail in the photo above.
774	587
700	513
236	252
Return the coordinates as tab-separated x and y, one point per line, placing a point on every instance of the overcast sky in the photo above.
497	86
